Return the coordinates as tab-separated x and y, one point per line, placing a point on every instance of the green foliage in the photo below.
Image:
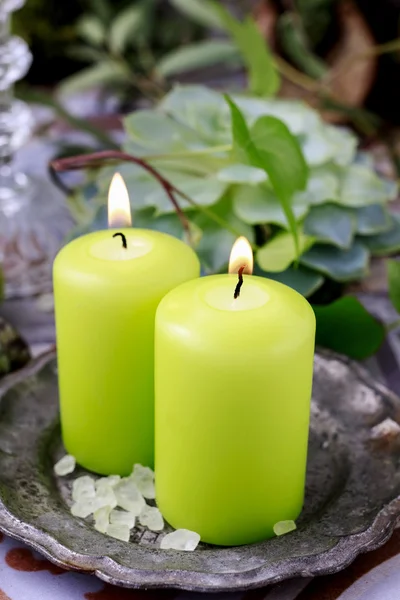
195	56
270	146
393	267
347	327
235	170
202	12
263	76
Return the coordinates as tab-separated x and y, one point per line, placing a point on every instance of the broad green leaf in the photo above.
91	29
387	242
340	265
372	219
299	118
101	8
393	267
302	280
103	73
325	143
345	326
259	204
144	190
126	27
331	224
322	186
158	133
272	147
198	55
238	173
280	252
361	186
263	76
147	219
202	109
201	12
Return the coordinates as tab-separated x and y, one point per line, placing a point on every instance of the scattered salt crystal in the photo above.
129	497
122	517
144	479
283	527
65	465
181	539
151	518
110	481
105	497
102	518
83	508
119	531
83	488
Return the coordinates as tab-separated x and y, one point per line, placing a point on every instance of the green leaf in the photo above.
144	190
85	53
91	29
201	12
259	204
159	134
296	46
103	73
361	186
322	186
263	76
393	267
372	219
340	265
238	173
196	56
101	8
280	252
325	143
387	242
331	224
126	27
302	280
345	326
273	148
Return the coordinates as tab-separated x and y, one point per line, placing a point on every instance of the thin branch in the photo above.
89	160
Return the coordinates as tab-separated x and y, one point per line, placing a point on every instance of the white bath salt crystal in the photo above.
110	481
181	539
83	488
283	527
105	496
151	518
102	518
129	497
119	531
65	465
83	508
122	517
144	479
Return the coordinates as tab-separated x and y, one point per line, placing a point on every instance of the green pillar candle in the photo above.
106	296
232	387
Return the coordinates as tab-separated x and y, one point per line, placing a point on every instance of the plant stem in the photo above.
391	326
87	160
99	158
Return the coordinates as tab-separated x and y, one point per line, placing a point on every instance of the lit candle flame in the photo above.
119	208
241	256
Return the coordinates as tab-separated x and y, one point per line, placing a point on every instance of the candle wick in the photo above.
124	245
239	284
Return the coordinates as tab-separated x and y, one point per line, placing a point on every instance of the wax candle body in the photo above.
233	386
105	302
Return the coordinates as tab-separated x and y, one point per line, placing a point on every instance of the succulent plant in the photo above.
343	216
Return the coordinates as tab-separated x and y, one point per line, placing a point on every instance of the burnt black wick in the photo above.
122	237
239	284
